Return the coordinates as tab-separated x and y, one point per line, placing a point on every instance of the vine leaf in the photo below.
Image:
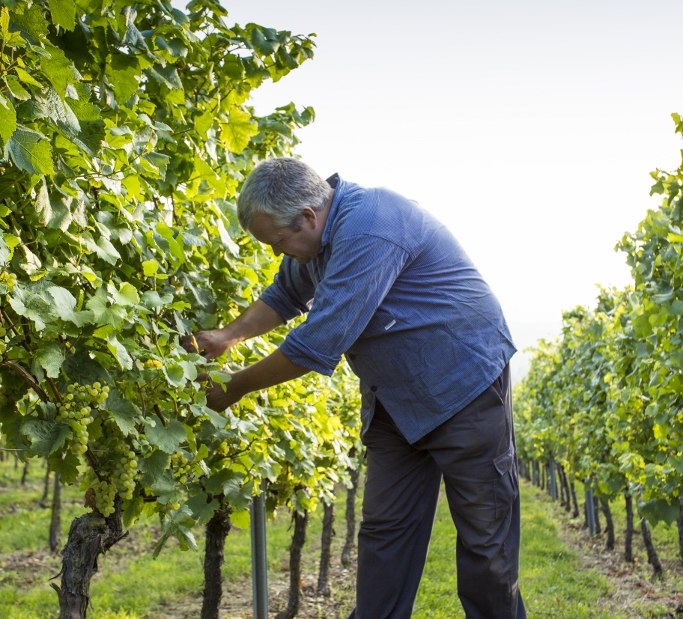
30	152
167	438
123	412
63	13
46	437
51	358
8	119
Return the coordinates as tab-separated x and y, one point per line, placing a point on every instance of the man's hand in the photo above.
271	370
210	344
257	319
219	397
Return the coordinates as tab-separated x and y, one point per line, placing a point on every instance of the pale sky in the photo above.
530	128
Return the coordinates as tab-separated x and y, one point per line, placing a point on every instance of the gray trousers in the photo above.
474	454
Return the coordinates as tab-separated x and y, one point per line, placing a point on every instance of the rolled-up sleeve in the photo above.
291	292
359	274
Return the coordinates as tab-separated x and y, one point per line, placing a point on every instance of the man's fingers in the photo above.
190	344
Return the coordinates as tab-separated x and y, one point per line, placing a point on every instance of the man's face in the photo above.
300	242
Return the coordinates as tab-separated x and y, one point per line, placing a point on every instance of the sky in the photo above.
529	128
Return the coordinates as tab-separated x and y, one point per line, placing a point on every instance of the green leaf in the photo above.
31	21
63	13
156	163
203	122
126	295
64	306
30	151
50	105
102	312
666	294
261	43
46	436
64	302
202	507
67	465
42	204
105	250
660	510
120	352
167	438
220	481
124	412
216	419
82	367
133	37
8	119
58	69
122	72
17	90
175	375
166	75
51	358
153	467
92	127
4	251
31	304
176	526
151	299
61	214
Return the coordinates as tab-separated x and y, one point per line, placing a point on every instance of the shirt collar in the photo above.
337	184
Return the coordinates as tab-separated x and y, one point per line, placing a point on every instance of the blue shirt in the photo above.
395	292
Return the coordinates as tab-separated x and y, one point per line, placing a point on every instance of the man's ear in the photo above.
309	217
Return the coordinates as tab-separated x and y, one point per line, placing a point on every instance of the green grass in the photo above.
551	581
554	578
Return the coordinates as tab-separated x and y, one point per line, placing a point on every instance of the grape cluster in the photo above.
117	469
181	467
125	470
116	462
76	409
105	493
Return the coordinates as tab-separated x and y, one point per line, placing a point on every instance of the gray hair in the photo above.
281	188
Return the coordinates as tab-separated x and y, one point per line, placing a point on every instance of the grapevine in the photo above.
77	410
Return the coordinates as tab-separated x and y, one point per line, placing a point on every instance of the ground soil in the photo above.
237	598
634	590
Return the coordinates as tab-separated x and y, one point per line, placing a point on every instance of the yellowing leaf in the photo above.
4	21
240	519
150	268
8	119
235	135
26	77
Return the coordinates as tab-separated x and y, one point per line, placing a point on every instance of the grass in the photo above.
555	576
551	580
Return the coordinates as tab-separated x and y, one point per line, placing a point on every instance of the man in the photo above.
387	285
